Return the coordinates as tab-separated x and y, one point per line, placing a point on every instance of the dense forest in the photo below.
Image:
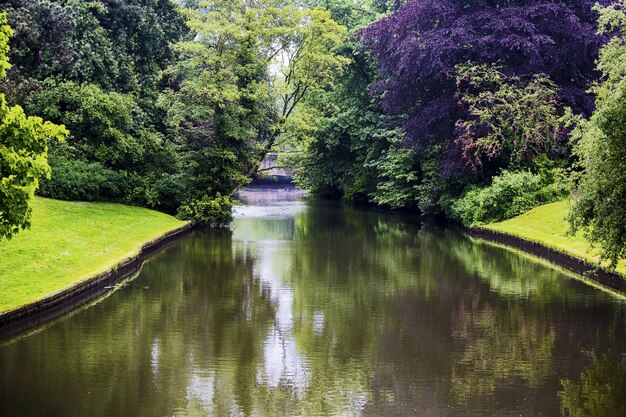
478	110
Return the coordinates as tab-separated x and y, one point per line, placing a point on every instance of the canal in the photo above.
313	309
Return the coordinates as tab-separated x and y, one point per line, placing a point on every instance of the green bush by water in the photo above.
210	211
510	194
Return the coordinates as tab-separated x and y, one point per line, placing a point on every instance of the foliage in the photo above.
476	87
344	138
601	190
349	142
235	73
112	152
79	180
418	47
510	194
215	211
417	109
236	85
5	34
458	91
96	67
119	45
105	126
510	120
163	191
23	151
352	15
397	178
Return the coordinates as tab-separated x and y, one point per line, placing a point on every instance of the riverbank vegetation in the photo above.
480	111
23	150
72	241
476	110
167	107
548	225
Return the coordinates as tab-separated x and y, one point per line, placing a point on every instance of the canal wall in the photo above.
590	271
78	294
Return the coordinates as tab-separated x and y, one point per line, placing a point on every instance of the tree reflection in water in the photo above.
600	390
320	309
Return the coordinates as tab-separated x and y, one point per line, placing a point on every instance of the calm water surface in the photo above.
308	308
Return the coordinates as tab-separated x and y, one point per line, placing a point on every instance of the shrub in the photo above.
162	192
169	191
212	211
510	194
79	180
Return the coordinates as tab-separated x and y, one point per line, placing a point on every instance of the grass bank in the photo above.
72	241
548	225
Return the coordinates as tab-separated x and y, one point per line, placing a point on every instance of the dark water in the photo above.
317	309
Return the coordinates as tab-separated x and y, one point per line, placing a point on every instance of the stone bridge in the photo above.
271	172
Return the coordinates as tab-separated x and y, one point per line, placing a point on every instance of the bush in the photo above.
162	192
216	211
510	194
103	125
78	180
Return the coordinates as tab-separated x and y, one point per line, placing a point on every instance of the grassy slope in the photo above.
71	241
548	225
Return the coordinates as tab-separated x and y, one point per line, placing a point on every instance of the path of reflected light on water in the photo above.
313	308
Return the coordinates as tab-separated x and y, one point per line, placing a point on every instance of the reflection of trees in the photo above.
500	344
348	268
333	311
390	291
600	390
513	274
512	335
153	348
410	299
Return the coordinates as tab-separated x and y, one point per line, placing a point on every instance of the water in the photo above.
310	309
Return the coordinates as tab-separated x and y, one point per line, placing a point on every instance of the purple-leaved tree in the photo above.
418	47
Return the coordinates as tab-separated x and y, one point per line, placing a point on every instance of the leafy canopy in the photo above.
418	47
95	66
119	45
601	146
340	144
238	82
459	91
23	151
510	119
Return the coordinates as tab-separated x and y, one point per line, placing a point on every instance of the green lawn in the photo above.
548	225
71	241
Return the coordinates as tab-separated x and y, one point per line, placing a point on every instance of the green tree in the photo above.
348	148
238	82
119	45
107	127
601	147
112	153
23	151
96	67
